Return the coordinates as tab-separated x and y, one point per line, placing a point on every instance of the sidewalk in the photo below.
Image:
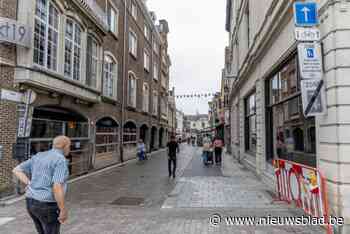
140	198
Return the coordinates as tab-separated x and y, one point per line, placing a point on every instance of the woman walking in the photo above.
218	144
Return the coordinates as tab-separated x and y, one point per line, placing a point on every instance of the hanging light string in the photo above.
196	95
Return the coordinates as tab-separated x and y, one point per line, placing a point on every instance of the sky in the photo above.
197	41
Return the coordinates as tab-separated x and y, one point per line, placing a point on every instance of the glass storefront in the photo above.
290	135
49	122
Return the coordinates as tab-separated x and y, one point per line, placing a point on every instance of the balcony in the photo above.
95	10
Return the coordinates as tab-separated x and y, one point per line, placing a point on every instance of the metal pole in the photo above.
124	78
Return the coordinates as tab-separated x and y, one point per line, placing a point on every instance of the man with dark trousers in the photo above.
173	148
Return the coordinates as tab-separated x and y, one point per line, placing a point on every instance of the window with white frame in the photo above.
155	71
46	35
110	77
146	60
155	103
113	16
132	87
147	32
92	62
72	50
134	10
133	43
145	94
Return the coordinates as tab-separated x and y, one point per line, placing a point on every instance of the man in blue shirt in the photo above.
45	176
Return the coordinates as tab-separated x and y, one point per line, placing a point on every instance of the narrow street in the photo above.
140	198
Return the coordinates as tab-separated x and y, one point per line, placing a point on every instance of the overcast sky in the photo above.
197	42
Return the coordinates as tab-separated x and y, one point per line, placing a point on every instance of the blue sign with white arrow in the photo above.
305	14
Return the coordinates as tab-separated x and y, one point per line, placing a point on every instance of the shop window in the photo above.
290	135
46	28
250	124
129	133
107	138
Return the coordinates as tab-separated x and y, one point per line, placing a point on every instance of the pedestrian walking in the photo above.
173	149
218	144
141	150
45	176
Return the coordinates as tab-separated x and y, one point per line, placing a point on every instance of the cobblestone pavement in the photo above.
168	206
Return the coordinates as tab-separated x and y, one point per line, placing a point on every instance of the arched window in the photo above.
46	34
72	50
110	77
132	87
145	105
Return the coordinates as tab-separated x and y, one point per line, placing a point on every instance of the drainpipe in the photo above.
123	83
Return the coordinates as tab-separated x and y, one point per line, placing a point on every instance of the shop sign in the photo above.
310	60
313	97
307	34
14	32
305	14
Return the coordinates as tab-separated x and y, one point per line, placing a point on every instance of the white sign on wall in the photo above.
307	34
308	90
310	60
10	95
14	32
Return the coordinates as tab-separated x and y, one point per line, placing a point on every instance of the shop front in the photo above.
289	134
51	121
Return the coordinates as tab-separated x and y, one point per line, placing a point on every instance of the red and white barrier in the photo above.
304	186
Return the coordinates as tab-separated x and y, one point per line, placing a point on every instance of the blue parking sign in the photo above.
305	14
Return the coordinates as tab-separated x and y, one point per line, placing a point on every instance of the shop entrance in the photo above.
51	121
106	143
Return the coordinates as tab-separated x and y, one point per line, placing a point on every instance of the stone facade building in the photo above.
100	72
265	98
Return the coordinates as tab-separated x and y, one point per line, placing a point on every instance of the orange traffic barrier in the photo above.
305	187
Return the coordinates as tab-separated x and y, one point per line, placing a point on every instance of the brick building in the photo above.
100	72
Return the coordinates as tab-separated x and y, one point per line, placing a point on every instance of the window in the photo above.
145	92
132	91
147	32
146	60
134	10
107	139
290	135
133	43
72	51
155	71
110	77
155	47
155	103
113	20
46	34
250	124
92	62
